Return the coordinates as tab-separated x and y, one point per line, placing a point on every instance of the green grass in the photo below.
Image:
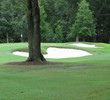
29	83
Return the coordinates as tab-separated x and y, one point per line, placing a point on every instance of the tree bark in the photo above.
109	39
94	38
30	30
77	39
7	38
34	38
84	39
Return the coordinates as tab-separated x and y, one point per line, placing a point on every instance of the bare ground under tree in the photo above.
34	63
37	66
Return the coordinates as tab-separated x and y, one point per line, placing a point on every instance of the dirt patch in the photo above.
63	66
50	68
33	63
102	91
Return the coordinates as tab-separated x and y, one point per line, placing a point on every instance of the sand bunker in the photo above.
85	45
58	53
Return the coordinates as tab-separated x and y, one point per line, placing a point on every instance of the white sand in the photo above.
85	45
19	53
58	53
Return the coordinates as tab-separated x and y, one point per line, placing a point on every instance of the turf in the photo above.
32	83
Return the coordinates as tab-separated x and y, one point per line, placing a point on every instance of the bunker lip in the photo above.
58	53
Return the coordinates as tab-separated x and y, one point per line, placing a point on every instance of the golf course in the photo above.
77	78
54	49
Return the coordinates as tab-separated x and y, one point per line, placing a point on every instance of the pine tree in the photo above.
84	24
44	25
58	37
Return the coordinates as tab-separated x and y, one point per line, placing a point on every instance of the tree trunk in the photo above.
77	39
84	39
94	39
30	30
34	38
109	39
7	36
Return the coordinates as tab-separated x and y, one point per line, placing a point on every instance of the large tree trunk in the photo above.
77	38
34	32
30	30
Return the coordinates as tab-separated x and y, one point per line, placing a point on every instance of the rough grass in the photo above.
27	83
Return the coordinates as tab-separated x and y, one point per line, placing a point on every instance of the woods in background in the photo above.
58	20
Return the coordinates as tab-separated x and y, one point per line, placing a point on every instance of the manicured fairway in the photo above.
33	83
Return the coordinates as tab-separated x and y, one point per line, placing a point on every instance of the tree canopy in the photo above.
84	25
54	13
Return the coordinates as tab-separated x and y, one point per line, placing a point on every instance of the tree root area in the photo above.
34	63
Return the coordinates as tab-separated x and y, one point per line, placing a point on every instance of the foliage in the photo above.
57	14
101	10
58	37
44	25
53	13
12	20
84	24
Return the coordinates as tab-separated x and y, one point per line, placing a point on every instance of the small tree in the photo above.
44	25
58	37
84	24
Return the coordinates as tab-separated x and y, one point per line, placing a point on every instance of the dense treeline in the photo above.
58	18
13	22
